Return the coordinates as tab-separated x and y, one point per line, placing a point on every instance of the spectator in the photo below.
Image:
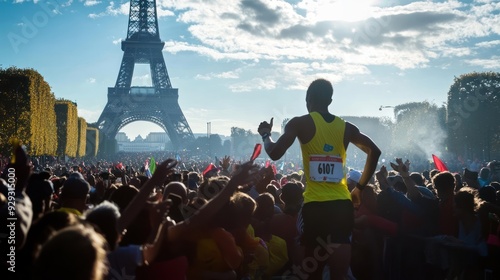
76	252
74	194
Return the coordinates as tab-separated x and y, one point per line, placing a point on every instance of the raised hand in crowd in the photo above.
225	163
135	206
403	168
246	174
381	177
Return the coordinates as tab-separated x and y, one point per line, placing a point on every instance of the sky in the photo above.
237	63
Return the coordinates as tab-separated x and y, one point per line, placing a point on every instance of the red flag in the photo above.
439	163
119	166
274	169
209	168
256	151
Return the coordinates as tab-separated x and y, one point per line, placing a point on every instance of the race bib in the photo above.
324	168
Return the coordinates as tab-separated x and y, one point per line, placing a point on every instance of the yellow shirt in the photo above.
324	161
70	210
216	251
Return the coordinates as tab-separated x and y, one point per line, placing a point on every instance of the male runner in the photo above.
328	212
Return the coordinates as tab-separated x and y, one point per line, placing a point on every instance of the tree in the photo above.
82	137
67	128
472	115
243	141
27	111
215	145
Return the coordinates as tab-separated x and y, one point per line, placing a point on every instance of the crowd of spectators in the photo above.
192	219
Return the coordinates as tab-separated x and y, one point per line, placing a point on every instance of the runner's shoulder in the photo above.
299	120
351	131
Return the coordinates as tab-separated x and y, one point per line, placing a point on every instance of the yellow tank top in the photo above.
324	161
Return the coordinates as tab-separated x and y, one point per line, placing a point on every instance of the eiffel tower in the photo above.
157	104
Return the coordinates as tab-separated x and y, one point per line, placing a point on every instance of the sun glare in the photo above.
344	10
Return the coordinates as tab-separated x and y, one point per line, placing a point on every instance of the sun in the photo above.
343	10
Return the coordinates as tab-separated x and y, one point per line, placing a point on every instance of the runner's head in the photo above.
319	94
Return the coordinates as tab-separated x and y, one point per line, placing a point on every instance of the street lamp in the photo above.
384	107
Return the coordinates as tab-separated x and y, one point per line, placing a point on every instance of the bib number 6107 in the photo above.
326	168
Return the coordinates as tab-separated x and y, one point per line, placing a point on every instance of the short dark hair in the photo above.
76	252
75	188
417	178
123	196
444	181
320	90
467	199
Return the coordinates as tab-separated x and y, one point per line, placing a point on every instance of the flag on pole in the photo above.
256	151
273	166
282	166
210	167
439	163
152	165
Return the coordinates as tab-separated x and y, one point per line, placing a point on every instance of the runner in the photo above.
324	139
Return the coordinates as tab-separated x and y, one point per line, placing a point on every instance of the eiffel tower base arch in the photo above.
162	109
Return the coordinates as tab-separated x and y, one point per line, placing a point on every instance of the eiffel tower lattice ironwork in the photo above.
157	104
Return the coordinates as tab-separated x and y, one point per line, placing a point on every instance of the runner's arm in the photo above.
275	150
366	144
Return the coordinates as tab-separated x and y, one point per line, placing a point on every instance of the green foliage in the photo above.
473	113
27	111
82	137
243	142
67	127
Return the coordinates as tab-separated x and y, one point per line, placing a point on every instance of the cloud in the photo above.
177	46
374	83
91	80
203	77
227	75
67	4
254	84
450	51
488	44
223	75
261	12
403	36
112	10
89	3
303	45
117	41
491	63
142	80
